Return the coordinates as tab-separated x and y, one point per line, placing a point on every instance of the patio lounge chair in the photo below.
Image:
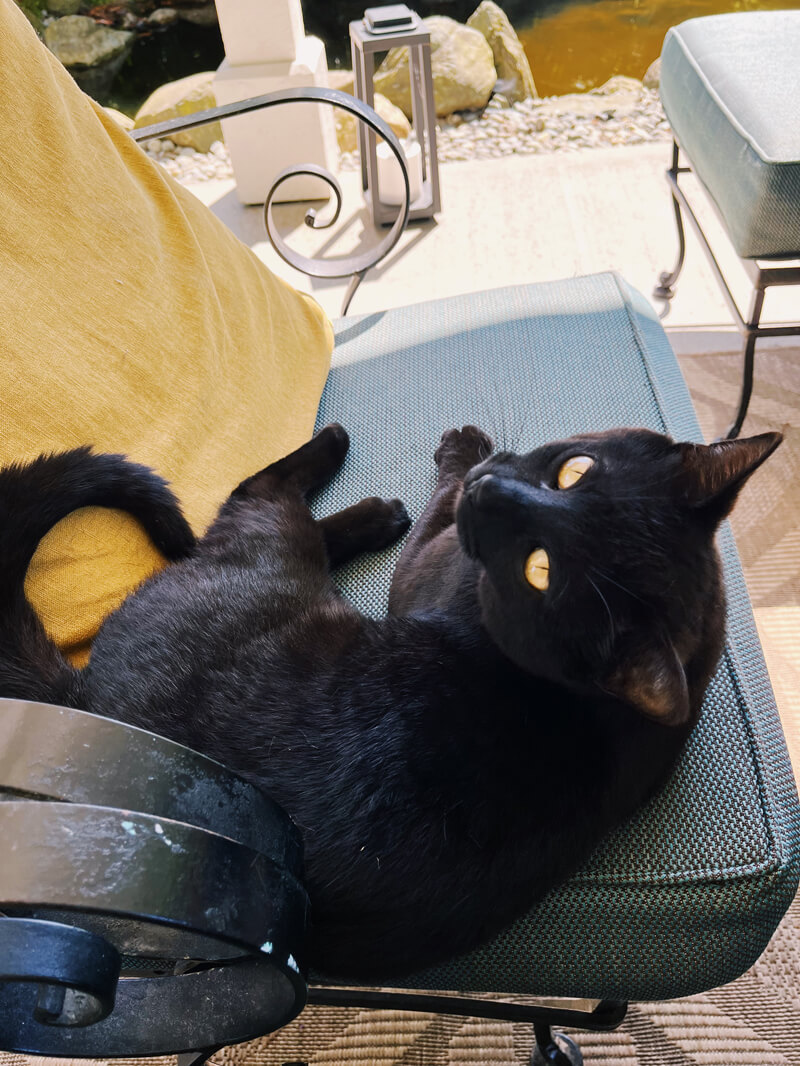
123	851
730	86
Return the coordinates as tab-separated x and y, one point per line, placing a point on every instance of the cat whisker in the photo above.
605	577
605	604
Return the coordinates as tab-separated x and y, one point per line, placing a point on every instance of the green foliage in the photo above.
33	11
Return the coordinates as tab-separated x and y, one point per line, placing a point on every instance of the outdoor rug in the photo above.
754	1021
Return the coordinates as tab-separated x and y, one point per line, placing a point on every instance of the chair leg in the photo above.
198	1058
748	354
665	289
554	1049
747	387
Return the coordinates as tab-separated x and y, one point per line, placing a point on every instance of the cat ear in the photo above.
712	474
654	683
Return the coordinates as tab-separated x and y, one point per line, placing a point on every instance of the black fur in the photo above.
451	763
33	498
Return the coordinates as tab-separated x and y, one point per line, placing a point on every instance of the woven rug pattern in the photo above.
754	1021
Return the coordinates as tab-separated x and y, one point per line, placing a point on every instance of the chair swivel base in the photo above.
556	1050
550	1049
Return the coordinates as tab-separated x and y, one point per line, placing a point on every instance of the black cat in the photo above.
554	621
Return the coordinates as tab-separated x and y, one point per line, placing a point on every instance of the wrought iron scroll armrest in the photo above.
356	265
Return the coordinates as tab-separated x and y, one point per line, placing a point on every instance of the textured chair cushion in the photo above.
730	85
686	896
134	320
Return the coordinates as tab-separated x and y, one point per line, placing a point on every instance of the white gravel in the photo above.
552	124
544	125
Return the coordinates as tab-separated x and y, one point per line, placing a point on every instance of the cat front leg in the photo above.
459	450
431	558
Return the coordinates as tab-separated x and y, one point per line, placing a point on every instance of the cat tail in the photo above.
33	498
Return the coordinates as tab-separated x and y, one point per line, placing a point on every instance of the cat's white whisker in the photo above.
605	604
605	577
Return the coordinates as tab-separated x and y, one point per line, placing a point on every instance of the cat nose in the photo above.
494	493
481	489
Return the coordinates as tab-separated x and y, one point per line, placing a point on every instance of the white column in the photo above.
266	49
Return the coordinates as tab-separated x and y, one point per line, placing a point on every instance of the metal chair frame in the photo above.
761	277
353	266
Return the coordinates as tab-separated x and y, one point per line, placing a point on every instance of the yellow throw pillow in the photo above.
133	320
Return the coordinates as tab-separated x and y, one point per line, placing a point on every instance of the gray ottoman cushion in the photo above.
730	85
686	896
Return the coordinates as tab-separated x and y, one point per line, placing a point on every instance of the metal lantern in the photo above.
383	28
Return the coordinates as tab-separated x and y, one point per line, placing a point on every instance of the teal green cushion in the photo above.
730	86
686	896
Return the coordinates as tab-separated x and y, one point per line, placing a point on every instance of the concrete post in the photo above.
266	49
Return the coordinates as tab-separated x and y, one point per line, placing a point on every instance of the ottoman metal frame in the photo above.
761	277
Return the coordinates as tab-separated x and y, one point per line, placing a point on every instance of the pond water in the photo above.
160	57
572	45
581	45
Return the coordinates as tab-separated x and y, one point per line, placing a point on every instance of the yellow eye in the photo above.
573	470
537	569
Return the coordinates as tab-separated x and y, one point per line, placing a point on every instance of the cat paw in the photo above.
368	526
312	465
335	439
388	521
461	449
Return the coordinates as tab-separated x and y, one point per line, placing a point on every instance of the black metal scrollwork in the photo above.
150	900
354	266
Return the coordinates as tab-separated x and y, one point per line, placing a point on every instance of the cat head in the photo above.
598	565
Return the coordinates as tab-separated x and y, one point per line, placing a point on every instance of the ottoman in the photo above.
730	86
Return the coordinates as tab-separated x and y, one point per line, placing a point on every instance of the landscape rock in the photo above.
162	16
618	97
64	7
652	78
188	166
93	54
203	13
342	79
80	42
620	83
183	97
125	121
569	123
346	123
462	66
529	127
511	63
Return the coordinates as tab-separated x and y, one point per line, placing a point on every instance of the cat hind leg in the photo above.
370	525
308	468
